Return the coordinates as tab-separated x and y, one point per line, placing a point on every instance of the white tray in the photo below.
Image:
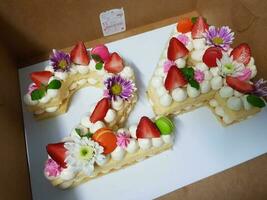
202	148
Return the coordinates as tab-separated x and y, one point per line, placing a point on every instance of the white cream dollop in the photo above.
117	104
202	66
118	153
51	109
52	92
157	142
156	81
238	94
28	100
61	75
216	82
68	173
190	46
214	71
208	75
83	69
180	62
132	146
132	130
199	43
127	72
49	68
165	100
179	94
85	121
110	116
234	103
226	92
205	87
45	99
96	126
167	138
103	161
192	92
161	91
246	104
144	143
197	55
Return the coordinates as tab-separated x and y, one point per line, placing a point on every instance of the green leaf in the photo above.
37	94
88	135
78	131
97	58
99	66
255	101
188	72
193	19
194	83
54	84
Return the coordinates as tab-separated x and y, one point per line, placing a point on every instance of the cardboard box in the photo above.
30	29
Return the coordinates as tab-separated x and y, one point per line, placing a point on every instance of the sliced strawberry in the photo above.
176	49
100	110
211	55
242	53
57	152
40	78
199	28
147	129
101	51
240	86
174	79
79	54
184	25
114	64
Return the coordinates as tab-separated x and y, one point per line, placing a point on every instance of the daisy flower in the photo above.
60	61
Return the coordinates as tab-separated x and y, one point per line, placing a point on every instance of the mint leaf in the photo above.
194	83
188	72
255	101
99	66
54	84
97	58
88	135
78	131
37	94
193	20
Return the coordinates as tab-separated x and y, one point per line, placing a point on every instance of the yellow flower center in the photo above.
217	40
62	64
86	153
228	68
116	89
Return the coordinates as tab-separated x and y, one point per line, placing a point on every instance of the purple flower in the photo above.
52	168
260	88
199	76
167	65
123	139
220	37
183	38
119	87
60	61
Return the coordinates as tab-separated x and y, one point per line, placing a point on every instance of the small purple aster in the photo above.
199	76
183	38
220	37
119	87
260	88
167	65
52	168
60	61
123	139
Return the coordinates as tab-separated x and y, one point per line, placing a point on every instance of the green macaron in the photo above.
164	125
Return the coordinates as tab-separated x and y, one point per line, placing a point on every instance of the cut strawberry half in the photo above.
184	25
79	54
240	86
100	110
41	78
241	53
199	28
147	129
174	79
176	49
114	64
211	55
57	152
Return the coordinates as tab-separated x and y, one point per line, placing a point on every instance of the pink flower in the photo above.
167	65
101	51
246	74
183	38
199	76
52	168
32	87
106	93
123	139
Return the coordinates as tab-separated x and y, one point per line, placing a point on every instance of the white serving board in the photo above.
202	147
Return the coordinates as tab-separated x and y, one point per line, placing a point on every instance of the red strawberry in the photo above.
174	79
211	55
79	54
241	53
100	110
184	25
199	28
176	49
147	129
57	153
40	78
114	64
240	86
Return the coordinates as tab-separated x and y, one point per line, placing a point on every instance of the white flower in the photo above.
227	66
82	153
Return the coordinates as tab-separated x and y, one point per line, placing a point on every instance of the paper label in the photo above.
112	21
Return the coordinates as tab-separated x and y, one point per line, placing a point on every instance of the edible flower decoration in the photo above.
52	168
260	88
227	66
60	61
116	86
83	153
167	65
32	87
123	139
246	74
183	38
220	37
199	76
